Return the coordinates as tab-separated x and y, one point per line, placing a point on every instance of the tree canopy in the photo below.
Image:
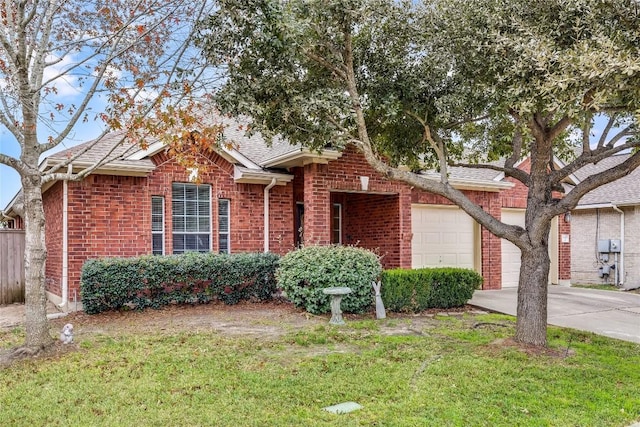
439	83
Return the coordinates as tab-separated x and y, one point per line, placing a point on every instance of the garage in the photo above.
511	253
443	236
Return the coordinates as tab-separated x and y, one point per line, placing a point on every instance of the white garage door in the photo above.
443	236
511	253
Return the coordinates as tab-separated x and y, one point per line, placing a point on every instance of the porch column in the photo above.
564	250
317	205
492	248
406	234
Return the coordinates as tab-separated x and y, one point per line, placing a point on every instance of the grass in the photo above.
604	287
455	372
600	287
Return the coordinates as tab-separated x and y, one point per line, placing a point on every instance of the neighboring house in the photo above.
255	197
604	230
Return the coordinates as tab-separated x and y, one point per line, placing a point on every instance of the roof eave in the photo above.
247	176
607	204
301	157
475	184
8	211
121	168
231	155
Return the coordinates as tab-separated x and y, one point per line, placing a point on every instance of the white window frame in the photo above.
209	233
228	223
339	230
158	232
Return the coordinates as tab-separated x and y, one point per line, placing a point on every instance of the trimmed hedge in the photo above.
420	289
305	272
155	281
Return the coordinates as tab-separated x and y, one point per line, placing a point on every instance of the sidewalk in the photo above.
609	313
12	315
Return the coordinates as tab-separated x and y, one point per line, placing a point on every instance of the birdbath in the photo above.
336	297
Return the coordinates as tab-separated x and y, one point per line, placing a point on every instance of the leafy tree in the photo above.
448	82
132	56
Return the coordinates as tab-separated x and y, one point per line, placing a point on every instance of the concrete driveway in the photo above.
609	313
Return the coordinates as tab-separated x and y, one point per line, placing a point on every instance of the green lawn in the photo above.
454	371
605	287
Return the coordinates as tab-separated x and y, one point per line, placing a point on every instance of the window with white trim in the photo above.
157	225
336	223
191	212
224	240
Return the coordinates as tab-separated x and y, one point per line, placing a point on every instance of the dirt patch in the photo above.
269	320
263	321
54	351
11	315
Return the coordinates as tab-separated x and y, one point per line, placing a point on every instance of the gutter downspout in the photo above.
65	242
266	213
621	267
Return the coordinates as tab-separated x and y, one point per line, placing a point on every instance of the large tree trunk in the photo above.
35	256
531	324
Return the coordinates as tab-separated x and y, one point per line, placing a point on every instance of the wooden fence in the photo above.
11	266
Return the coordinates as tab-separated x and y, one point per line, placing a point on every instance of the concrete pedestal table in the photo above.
336	297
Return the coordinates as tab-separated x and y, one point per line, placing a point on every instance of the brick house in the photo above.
604	230
144	202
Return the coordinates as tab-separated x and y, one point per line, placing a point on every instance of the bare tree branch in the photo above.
437	145
605	131
590	157
326	64
559	127
12	162
586	133
592	182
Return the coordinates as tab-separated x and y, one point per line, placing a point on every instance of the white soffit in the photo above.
302	157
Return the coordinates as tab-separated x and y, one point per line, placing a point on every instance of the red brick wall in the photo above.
246	205
111	215
316	205
281	209
492	246
564	250
372	221
342	179
17	223
108	216
344	175
515	197
52	201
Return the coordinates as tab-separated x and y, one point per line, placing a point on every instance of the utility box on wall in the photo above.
615	245
603	246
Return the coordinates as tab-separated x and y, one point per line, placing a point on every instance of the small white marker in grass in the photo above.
343	408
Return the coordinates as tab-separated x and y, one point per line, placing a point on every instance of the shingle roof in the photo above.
102	147
255	148
624	191
474	173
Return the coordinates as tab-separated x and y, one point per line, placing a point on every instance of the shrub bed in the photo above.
420	289
305	272
155	281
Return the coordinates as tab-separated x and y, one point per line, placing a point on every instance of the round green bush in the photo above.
305	272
